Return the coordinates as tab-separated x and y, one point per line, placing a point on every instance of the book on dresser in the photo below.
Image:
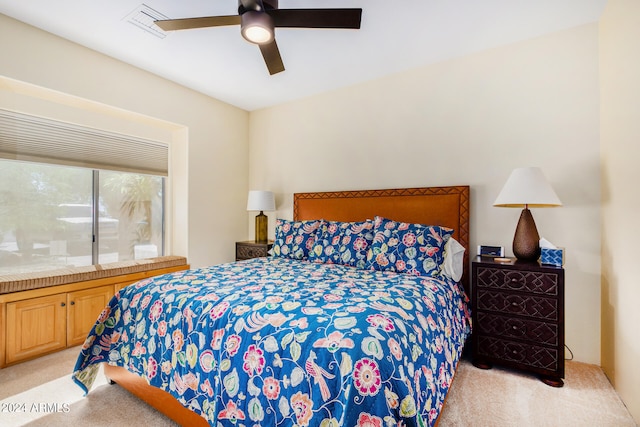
518	317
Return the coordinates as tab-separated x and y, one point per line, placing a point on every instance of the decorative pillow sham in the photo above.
453	264
345	243
294	239
414	249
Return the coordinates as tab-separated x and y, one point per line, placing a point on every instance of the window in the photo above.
73	195
53	216
133	216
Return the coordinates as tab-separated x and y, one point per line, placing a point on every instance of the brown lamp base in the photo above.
526	241
262	222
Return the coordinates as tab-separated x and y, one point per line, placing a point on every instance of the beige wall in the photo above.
620	137
465	121
209	151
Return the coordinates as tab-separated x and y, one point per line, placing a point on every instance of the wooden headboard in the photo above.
444	206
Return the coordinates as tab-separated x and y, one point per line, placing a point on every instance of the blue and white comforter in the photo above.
279	342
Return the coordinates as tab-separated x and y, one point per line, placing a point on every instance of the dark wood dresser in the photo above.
518	317
251	249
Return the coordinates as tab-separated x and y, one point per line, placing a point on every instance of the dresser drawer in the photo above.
517	280
535	356
514	303
518	317
250	249
246	252
517	328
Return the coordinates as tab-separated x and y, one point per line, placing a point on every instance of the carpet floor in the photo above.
41	393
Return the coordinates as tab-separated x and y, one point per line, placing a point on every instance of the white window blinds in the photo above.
32	138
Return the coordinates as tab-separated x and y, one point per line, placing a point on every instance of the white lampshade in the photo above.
261	201
527	187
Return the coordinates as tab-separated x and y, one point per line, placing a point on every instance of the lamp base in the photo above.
262	222
526	241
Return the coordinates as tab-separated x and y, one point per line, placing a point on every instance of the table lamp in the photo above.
525	188
261	201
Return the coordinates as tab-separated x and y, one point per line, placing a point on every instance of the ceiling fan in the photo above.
259	18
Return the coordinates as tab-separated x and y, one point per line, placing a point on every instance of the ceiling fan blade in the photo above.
316	18
206	21
272	58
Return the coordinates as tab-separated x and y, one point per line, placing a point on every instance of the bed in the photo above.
315	335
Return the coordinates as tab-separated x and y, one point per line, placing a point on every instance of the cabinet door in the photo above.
36	326
84	307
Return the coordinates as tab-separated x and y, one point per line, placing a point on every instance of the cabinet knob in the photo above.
62	304
72	303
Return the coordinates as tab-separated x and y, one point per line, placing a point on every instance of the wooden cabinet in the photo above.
45	324
83	308
41	321
518	317
38	327
251	249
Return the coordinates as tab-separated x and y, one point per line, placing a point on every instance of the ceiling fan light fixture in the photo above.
257	27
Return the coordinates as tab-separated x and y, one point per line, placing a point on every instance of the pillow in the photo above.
294	239
345	243
453	264
407	248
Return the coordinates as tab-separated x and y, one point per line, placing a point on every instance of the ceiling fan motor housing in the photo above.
256	5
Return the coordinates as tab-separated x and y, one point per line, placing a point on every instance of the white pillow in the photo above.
453	264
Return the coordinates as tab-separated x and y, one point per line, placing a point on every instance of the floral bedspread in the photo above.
278	342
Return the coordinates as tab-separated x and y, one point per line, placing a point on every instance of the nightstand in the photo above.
251	249
518	317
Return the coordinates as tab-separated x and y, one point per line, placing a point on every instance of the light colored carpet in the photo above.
35	390
505	398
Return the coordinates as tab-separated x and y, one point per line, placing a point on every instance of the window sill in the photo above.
27	281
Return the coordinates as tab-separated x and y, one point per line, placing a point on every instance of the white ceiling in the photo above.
396	35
